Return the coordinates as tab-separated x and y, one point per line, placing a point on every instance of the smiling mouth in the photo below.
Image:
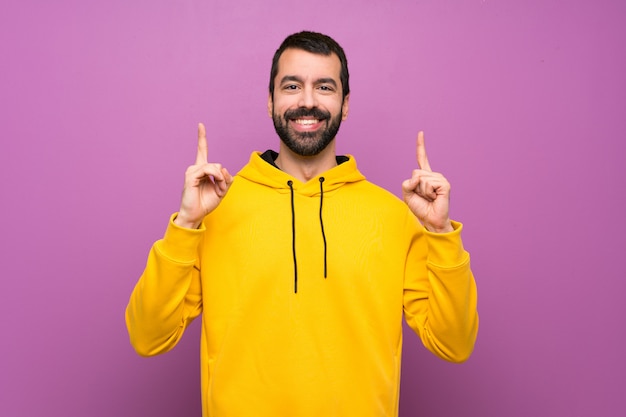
306	122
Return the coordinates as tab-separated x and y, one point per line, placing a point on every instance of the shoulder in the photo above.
375	192
376	200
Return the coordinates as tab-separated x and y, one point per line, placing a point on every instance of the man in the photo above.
301	268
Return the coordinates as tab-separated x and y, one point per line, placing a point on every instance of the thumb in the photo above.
227	177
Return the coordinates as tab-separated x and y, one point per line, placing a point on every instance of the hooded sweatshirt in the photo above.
302	289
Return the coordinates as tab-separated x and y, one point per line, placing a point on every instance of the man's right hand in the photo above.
205	186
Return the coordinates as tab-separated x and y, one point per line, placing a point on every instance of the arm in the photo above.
440	295
168	295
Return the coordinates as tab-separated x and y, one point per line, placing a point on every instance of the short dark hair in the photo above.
315	43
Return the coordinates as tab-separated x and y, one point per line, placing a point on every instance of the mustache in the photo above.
306	112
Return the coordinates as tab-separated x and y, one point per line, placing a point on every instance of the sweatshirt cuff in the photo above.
446	249
180	243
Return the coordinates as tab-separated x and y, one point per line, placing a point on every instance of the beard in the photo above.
306	143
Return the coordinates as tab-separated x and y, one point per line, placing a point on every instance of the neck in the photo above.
303	168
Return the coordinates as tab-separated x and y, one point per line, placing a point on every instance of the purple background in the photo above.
523	104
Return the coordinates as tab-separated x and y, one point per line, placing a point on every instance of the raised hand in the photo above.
427	193
205	186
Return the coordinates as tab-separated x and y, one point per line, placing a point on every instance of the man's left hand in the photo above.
427	193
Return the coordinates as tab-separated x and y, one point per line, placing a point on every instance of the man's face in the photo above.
308	104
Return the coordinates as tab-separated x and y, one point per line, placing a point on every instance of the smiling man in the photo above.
308	103
303	270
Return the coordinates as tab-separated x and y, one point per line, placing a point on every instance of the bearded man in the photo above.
302	269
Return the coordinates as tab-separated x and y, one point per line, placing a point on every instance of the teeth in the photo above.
307	121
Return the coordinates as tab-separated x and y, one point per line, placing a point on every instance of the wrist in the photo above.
181	221
445	228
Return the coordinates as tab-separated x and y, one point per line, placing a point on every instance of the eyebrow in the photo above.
288	78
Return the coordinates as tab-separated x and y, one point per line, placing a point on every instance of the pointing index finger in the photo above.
422	159
202	155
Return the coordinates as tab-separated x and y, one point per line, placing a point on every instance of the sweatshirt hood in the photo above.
262	170
265	173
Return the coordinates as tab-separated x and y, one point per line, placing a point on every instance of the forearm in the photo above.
452	323
445	312
168	294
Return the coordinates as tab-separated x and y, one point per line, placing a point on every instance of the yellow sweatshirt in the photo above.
279	338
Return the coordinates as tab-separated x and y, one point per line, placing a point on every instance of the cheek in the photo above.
336	106
280	106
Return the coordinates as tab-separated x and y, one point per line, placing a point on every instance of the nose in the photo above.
307	98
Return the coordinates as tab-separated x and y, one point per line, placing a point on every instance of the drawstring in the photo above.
293	233
293	239
322	221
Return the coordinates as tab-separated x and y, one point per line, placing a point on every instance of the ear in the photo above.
270	106
345	107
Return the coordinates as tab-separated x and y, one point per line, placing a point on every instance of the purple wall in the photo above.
523	104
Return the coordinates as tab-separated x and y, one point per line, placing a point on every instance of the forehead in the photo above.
296	62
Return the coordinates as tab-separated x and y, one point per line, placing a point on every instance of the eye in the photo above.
290	87
326	88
